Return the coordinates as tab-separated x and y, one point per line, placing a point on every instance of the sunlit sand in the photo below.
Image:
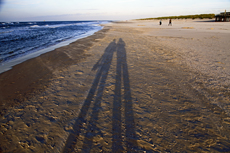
134	86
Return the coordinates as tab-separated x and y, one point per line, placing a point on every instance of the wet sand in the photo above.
133	87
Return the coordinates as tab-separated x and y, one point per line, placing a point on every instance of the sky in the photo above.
72	10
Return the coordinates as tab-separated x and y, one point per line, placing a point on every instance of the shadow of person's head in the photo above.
121	42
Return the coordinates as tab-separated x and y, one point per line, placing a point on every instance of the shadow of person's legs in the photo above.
92	130
116	122
122	70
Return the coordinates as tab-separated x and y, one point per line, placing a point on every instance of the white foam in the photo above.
34	26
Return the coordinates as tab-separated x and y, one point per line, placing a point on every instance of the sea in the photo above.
20	41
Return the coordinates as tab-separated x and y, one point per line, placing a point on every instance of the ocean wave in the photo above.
62	25
49	26
63	39
34	26
96	25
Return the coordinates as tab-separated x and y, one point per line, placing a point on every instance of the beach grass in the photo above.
197	16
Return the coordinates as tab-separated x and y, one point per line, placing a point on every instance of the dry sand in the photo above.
132	87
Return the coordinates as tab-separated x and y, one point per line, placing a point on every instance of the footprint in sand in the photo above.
78	72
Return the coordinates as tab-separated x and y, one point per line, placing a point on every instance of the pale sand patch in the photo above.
187	27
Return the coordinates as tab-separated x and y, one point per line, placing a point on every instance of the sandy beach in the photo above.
134	86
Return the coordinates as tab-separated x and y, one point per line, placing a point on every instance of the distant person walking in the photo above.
160	22
170	22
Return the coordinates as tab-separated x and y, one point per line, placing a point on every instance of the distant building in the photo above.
223	17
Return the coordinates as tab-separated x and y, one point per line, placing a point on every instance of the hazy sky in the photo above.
35	10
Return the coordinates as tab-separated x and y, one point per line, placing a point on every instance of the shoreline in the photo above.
10	64
32	76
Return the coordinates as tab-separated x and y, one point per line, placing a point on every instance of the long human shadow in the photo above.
130	135
92	129
102	67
